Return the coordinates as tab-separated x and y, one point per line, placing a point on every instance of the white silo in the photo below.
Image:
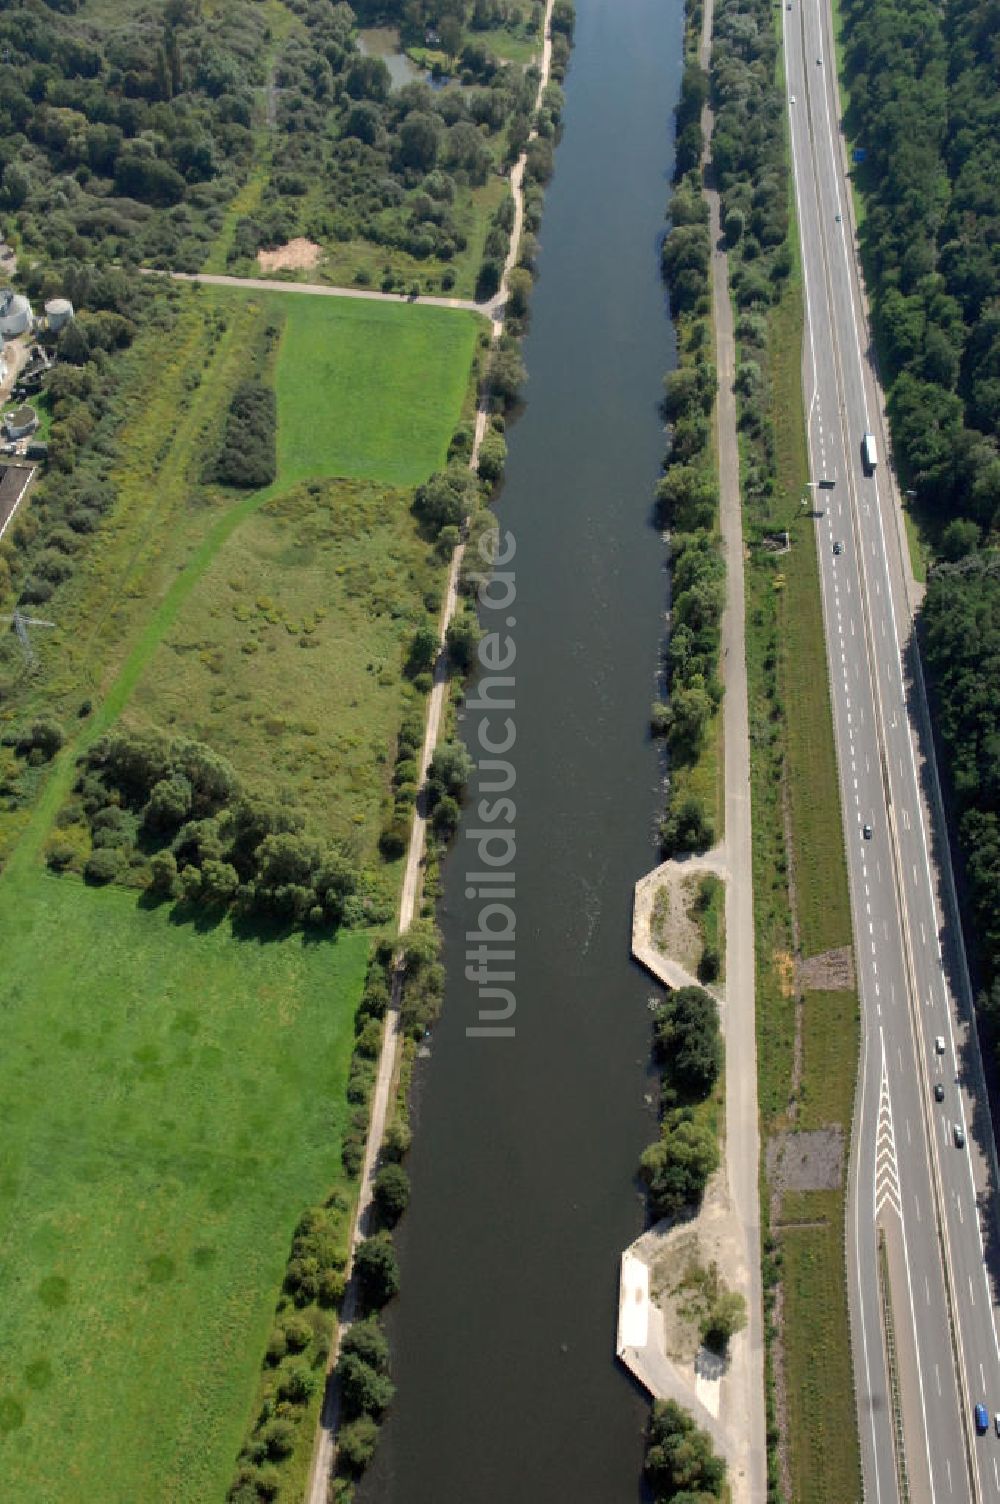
58	312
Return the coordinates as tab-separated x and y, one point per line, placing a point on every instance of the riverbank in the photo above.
732	1395
389	1058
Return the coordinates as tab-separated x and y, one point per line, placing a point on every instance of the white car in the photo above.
939	1044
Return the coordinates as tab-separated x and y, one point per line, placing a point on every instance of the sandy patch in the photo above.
713	1237
297	255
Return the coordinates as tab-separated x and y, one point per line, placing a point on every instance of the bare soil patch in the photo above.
297	255
832	971
805	1161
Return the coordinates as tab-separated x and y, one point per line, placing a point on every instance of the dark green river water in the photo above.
526	1147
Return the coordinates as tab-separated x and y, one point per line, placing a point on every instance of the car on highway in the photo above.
939	1044
996	1422
838	547
867	832
839	218
792	99
982	1419
939	1091
959	1136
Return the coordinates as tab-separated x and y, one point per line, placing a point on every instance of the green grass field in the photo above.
368	390
171	1101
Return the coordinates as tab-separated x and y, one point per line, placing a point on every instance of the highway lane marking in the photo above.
996	1474
909	1140
961	1218
982	1376
937	1371
947	1462
972	1297
886	1165
825	578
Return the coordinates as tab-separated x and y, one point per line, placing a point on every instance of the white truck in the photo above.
869	456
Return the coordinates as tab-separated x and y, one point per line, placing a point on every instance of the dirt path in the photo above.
324	1453
490	310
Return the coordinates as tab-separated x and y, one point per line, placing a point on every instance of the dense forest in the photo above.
925	105
128	142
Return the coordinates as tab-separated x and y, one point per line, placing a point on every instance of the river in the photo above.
525	1149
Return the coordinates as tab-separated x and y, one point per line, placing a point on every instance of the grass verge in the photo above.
800	897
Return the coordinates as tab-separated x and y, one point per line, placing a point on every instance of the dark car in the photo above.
838	547
867	832
982	1419
939	1092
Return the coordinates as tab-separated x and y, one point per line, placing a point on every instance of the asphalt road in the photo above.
910	1182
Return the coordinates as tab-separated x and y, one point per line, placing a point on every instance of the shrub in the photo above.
297	1384
278	1437
104	866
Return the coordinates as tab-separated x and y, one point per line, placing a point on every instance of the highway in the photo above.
913	1189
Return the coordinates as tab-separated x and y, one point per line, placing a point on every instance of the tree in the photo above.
377	1271
959	538
688	712
366	1340
450	35
356	1444
163	873
492	456
423	651
449	771
676	1168
445	818
446	498
391	1192
726	1315
679	1456
419	138
505	374
519	287
687	1040
462	640
363	1389
169	803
